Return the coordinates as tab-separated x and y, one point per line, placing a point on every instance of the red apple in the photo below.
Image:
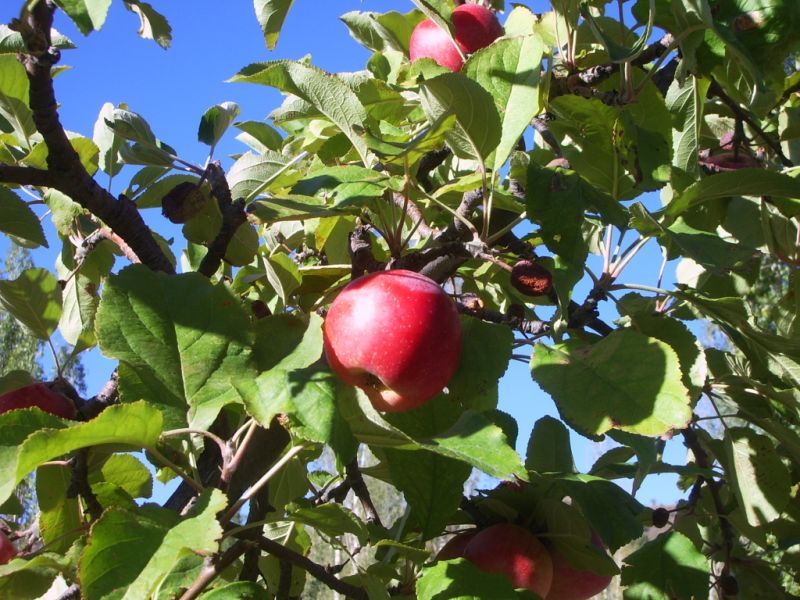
7	551
396	335
455	546
474	27
38	395
514	552
572	584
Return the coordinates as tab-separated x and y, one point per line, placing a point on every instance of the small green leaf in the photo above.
666	568
327	93
88	15
478	128
152	24
759	478
23	579
34	299
549	449
333	520
271	14
215	123
744	182
19	220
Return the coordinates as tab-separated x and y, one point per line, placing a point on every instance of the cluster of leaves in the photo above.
220	380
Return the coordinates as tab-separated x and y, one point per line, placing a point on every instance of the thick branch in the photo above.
317	571
25	176
233	216
67	174
474	308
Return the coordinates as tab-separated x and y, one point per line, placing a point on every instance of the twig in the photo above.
251	491
79	484
176	469
362	492
427	164
214	566
716	90
317	571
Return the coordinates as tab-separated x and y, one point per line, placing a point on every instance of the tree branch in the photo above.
361	491
716	90
67	174
214	566
317	571
25	176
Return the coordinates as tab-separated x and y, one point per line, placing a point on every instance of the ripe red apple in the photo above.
474	27
455	546
7	551
514	552
395	334
38	395
572	584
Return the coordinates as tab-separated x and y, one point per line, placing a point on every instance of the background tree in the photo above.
224	381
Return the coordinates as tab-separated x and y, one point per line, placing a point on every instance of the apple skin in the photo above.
474	27
455	546
396	335
40	396
7	551
514	552
571	584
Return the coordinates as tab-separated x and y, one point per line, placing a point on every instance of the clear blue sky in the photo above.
172	89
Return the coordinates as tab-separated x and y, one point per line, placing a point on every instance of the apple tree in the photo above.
521	178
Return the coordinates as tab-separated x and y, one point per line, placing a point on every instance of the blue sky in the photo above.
172	89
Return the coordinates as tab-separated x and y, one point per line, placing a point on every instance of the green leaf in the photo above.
461	580
686	101
549	449
181	341
60	518
215	123
31	437
433	486
381	32
478	127
34	299
666	568
473	439
240	590
485	353
333	520
87	151
107	142
271	14
758	477
259	136
120	545
11	41
612	512
127	473
79	306
327	93
744	182
198	534
283	274
152	24
130	126
19	220
29	579
596	389
510	71
616	52
88	15
247	175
